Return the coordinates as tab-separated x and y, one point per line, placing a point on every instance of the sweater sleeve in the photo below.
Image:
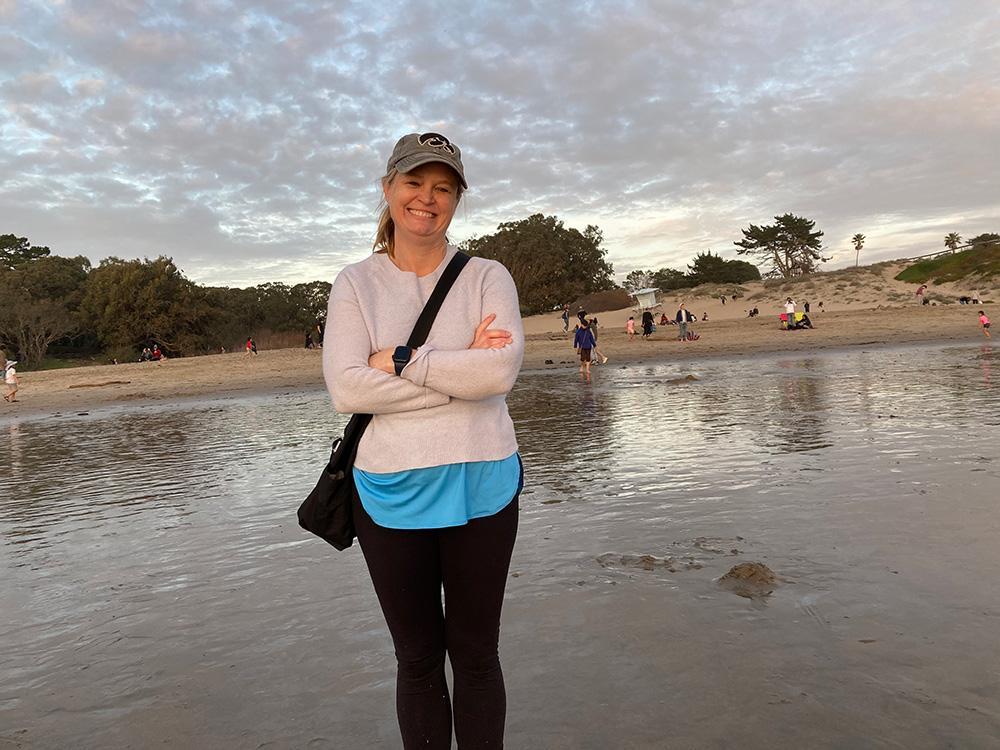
476	374
355	387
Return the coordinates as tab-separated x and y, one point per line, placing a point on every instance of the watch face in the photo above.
402	354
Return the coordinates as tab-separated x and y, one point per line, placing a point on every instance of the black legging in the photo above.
408	569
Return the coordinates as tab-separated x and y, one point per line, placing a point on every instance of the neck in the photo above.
419	257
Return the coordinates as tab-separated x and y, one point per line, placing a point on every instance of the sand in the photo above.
863	308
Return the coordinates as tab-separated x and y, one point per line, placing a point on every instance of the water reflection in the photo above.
152	555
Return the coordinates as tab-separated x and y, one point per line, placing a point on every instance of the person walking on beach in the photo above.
12	382
600	358
584	342
985	323
250	348
565	318
438	473
630	328
647	324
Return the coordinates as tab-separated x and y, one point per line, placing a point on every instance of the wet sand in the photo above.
70	391
157	591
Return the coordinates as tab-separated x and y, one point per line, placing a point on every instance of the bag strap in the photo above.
422	327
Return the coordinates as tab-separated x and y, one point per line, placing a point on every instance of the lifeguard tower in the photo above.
645	299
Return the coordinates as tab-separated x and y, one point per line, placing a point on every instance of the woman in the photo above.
437	470
647	324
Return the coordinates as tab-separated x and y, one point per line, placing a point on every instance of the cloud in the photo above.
220	133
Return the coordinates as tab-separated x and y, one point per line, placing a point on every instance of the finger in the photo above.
498	333
485	324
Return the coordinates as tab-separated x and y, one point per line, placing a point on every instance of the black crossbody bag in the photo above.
327	512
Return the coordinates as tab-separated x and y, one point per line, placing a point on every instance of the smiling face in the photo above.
422	202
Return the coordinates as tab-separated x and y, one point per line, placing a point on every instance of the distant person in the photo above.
12	382
820	306
319	336
683	317
985	323
146	355
723	298
663	319
565	318
250	347
704	316
601	359
584	343
790	311
805	306
581	314
976	298
157	354
309	340
647	324
630	328
920	294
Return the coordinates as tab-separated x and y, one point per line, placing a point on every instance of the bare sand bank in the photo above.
86	388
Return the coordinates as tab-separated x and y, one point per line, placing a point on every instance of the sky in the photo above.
246	139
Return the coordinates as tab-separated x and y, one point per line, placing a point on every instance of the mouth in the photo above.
422	214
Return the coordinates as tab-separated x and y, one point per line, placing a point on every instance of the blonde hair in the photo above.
385	234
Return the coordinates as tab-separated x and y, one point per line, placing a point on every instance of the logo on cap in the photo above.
436	140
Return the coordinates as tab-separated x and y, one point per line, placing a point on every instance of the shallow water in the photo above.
156	590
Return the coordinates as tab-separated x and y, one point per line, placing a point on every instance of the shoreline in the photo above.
53	393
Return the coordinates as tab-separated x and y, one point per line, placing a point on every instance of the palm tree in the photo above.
952	241
859	242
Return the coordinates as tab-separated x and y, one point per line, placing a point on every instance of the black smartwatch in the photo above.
401	358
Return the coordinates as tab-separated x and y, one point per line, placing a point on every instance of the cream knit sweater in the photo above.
450	404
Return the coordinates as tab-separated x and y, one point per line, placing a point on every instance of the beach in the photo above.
726	333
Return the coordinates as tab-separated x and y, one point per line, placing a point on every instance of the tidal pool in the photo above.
155	590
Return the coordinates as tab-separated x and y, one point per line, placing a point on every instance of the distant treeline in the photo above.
48	302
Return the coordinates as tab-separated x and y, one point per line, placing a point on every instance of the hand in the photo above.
490	339
383	361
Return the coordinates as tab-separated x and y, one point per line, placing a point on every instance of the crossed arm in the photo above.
362	382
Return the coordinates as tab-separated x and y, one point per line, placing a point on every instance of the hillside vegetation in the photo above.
981	263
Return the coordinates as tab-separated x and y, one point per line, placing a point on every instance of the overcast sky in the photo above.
246	139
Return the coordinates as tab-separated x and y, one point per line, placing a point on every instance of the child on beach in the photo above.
584	342
630	328
11	381
985	323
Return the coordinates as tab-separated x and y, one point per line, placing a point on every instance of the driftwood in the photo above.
100	385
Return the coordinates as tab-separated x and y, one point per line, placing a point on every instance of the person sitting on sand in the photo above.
663	319
157	355
11	381
704	316
985	323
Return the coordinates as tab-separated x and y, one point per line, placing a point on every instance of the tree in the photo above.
39	303
637	279
667	279
859	242
128	303
17	250
707	268
549	262
984	240
790	246
952	240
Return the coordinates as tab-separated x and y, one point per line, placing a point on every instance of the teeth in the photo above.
421	213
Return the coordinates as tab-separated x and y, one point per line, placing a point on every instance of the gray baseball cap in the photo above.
415	149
